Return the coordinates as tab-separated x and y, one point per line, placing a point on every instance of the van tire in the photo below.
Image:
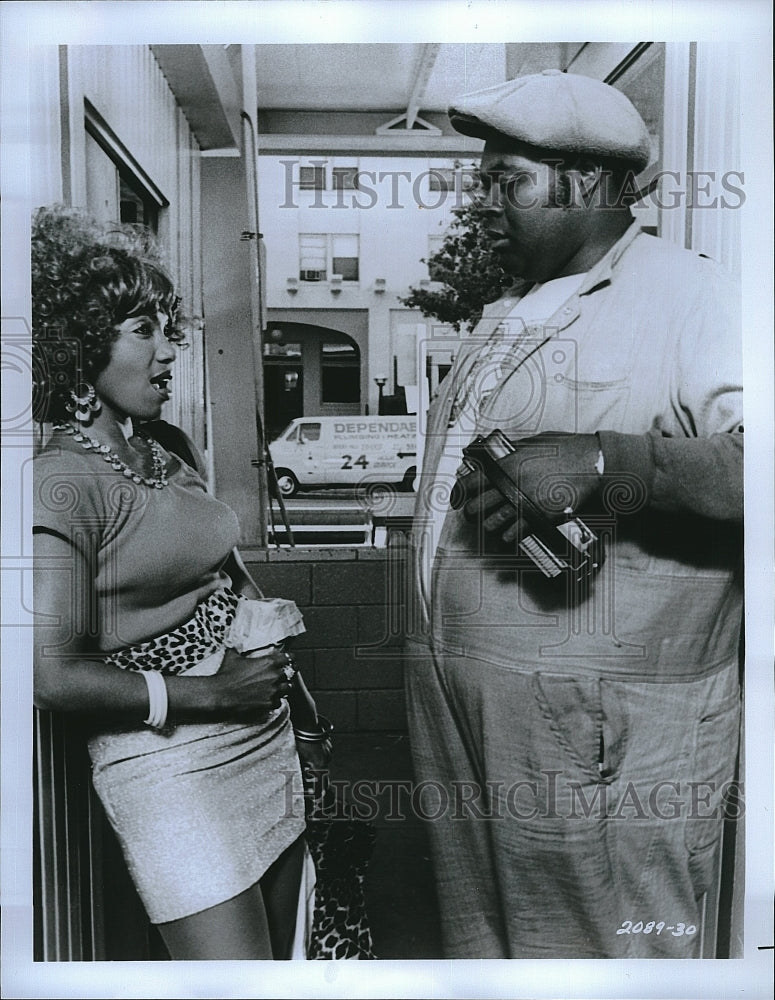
287	483
407	483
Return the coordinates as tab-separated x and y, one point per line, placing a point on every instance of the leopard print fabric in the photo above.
341	846
180	649
340	926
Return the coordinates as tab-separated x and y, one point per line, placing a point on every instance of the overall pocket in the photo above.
573	712
715	751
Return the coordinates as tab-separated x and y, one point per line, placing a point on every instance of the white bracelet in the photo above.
157	699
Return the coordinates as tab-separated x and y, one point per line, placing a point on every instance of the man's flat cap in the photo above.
557	111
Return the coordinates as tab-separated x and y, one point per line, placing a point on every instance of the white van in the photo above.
345	451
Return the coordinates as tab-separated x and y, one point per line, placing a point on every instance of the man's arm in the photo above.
700	476
681	475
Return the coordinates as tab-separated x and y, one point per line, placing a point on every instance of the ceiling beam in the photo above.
418	125
202	81
422	74
398	142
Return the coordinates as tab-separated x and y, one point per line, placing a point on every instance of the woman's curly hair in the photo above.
87	278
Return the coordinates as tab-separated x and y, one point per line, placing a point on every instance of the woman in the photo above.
137	581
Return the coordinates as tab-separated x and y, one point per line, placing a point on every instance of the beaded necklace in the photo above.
159	478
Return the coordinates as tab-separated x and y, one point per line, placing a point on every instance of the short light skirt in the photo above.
201	811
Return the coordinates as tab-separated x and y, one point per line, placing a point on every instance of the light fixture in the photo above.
380	380
292	285
379	284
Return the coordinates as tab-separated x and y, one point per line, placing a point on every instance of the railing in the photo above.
323	523
67	885
84	903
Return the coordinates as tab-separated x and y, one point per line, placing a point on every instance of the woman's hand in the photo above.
314	756
252	686
314	759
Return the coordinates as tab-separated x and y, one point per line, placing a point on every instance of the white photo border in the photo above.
300	21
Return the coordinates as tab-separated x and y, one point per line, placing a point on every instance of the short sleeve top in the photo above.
153	554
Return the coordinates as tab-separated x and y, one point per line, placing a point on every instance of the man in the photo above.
575	741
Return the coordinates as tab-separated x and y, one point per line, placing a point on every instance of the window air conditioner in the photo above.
308	275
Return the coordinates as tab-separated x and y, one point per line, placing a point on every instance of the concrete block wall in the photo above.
351	655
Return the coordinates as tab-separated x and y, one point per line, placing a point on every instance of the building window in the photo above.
469	178
442	179
340	374
321	176
313	257
452	178
642	78
435	245
312	178
321	255
134	206
344	178
344	257
117	188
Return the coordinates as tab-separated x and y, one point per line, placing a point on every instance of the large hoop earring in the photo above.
83	403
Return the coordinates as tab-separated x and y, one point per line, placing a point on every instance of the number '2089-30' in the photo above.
656	927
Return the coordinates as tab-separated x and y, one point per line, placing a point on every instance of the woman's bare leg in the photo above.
259	923
280	886
235	929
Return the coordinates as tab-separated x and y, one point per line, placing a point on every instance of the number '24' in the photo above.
360	460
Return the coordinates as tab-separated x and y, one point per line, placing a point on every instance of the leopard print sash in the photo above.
189	643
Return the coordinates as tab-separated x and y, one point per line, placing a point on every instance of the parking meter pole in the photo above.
272	477
253	237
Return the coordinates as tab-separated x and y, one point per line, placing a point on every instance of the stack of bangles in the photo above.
157	699
319	736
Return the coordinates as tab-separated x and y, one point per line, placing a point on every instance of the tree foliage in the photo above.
468	270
